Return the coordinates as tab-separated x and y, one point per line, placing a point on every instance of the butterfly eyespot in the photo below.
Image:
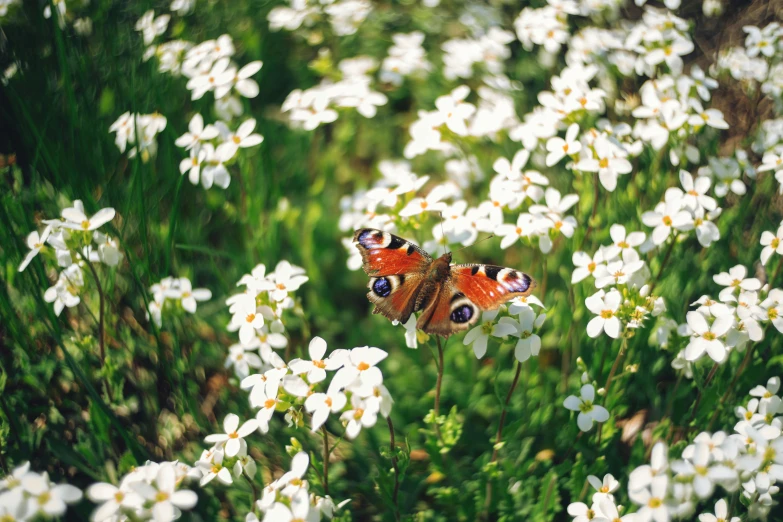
382	287
462	314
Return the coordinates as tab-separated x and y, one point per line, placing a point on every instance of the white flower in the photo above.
112	499
360	372
76	219
604	488
616	272
559	147
584	265
643	476
46	498
734	280
721	514
706	337
150	27
772	243
605	305
166	500
432	203
197	133
666	216
652	501
234	434
588	412
212	468
609	161
512	170
190	296
363	413
524	227
695	196
478	336
244	136
286	278
35	243
320	405
317	366
529	344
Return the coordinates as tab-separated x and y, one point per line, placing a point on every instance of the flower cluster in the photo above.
173	295
345	17
749	460
27	495
71	242
716	328
139	130
153	491
288	498
315	106
405	58
212	148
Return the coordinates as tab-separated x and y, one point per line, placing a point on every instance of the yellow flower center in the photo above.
358	413
362	366
161	496
44	497
603	163
269	403
233	435
775	242
607	314
85	224
328	401
667	221
591	267
319	364
237	140
250	318
709	336
654	502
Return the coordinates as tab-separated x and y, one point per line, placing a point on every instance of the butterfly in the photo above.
405	279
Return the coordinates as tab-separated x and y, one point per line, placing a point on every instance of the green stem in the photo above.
393	448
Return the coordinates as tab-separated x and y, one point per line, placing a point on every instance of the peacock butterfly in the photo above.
405	279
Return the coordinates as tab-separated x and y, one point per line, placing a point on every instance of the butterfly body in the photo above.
404	279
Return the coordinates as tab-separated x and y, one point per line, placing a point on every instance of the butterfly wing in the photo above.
470	290
385	254
397	270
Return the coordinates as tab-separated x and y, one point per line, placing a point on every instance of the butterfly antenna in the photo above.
443	231
476	243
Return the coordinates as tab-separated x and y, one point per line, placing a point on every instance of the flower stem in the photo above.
326	461
663	264
438	384
596	197
100	311
730	388
392	446
701	393
777	272
101	327
615	365
499	436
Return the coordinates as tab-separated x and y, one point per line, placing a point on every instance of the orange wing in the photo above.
397	269
385	254
471	290
490	286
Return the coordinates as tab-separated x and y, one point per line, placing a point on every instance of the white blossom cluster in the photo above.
212	147
288	498
405	58
316	106
485	55
72	241
153	492
718	327
171	295
27	495
139	130
344	16
749	461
